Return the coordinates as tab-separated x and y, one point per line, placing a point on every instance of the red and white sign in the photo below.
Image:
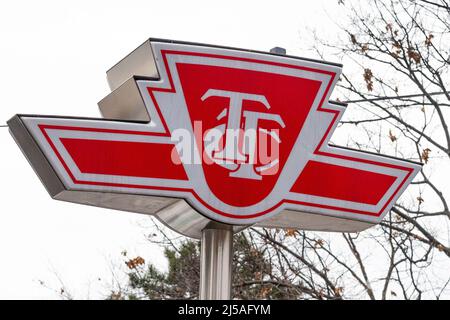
239	135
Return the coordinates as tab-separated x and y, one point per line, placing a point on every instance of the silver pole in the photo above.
216	262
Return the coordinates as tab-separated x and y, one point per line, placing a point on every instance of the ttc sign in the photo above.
194	133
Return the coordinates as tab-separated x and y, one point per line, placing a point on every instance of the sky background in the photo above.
53	59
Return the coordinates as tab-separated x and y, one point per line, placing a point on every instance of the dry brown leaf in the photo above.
116	296
414	55
338	291
428	40
368	75
420	199
134	263
425	156
291	233
319	243
392	136
265	291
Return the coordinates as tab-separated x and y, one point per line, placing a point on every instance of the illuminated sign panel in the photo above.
240	137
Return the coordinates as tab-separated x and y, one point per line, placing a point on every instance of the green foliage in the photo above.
180	282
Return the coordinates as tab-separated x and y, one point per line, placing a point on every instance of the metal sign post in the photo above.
211	140
216	259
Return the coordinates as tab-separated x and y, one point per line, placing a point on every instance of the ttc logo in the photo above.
241	136
238	144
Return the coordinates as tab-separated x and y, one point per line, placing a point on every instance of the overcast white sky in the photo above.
53	59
